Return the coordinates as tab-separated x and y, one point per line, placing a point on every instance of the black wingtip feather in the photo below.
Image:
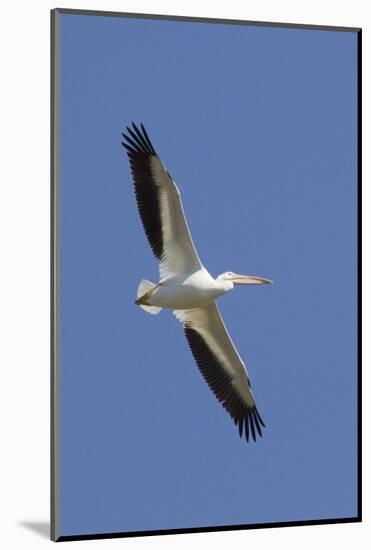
247	429
259	417
147	138
128	148
256	421
252	426
240	425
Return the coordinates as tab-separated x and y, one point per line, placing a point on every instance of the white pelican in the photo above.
186	286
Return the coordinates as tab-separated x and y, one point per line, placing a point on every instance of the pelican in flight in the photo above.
186	287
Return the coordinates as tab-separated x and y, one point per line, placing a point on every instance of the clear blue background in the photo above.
258	128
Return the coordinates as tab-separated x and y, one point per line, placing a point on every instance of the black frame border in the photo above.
54	278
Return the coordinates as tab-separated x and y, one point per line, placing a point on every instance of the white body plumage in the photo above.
187	291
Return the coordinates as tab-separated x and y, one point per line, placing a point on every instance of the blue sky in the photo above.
258	128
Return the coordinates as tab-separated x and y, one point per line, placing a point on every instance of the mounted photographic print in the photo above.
205	275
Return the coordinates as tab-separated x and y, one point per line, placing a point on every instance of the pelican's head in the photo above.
233	279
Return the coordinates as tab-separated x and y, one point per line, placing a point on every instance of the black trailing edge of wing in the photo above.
140	151
219	381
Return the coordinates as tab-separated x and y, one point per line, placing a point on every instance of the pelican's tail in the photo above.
144	292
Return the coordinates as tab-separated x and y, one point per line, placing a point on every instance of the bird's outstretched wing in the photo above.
221	366
160	206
